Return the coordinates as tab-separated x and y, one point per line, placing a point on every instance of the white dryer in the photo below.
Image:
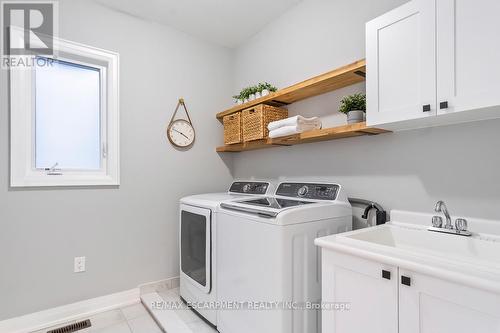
268	269
198	225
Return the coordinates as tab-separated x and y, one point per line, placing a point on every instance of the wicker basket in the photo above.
256	119
232	128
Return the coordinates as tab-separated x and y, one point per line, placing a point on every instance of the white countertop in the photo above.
473	261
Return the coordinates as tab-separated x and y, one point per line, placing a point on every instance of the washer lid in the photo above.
211	200
271	202
302	213
265	206
293	203
238	190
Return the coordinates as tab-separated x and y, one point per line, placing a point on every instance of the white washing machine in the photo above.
268	269
198	220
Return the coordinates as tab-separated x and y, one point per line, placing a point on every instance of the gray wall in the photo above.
129	235
406	170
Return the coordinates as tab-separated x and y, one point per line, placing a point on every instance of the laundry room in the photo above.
284	166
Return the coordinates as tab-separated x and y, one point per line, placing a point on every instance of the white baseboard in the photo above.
63	314
159	285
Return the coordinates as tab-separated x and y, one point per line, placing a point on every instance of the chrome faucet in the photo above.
441	208
460	227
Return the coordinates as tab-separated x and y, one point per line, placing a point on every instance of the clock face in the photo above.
181	133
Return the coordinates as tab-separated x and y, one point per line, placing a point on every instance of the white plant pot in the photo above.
239	102
264	92
258	95
245	100
356	116
252	97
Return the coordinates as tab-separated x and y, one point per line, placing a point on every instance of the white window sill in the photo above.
65	180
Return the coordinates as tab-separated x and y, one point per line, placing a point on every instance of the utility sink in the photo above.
406	243
473	250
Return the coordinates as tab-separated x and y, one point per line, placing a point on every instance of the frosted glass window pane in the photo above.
67	117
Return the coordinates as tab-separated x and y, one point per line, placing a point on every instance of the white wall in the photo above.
405	170
129	235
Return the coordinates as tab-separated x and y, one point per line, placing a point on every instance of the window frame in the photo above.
22	120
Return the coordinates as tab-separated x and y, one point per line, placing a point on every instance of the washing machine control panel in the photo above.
309	191
249	187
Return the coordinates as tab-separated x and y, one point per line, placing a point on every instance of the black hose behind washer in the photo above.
381	215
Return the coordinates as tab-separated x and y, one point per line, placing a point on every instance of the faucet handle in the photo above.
437	207
437	221
461	224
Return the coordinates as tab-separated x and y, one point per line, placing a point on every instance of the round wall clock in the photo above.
181	132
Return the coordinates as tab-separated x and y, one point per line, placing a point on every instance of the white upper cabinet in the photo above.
401	66
429	60
468	54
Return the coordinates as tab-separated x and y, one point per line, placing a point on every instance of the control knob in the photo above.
303	191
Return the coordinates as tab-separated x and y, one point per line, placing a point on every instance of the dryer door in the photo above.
195	239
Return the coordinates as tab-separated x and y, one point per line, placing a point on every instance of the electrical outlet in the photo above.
79	264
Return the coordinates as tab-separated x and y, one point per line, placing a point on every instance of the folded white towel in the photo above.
294	121
291	130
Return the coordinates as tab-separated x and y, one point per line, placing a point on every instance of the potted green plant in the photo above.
354	106
237	99
266	88
262	90
271	87
252	91
245	95
258	91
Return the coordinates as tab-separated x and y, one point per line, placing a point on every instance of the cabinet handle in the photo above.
443	105
386	274
426	108
405	280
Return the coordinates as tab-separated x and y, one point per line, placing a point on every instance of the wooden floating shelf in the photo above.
330	81
325	134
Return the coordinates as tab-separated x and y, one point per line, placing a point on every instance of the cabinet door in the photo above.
366	301
401	64
468	70
430	305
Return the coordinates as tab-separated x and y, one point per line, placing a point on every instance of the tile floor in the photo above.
131	319
185	315
136	319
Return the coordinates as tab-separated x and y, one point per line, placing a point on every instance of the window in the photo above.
64	119
67	116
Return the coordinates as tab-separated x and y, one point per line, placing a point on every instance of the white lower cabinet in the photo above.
372	299
389	299
431	305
